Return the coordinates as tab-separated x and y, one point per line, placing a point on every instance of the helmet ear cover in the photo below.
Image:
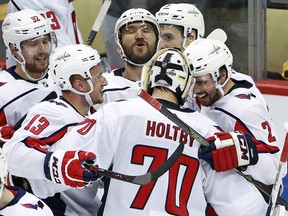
169	69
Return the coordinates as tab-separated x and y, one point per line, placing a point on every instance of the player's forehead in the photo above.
139	24
170	27
36	40
203	77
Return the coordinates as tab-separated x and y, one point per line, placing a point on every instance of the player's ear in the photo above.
191	38
223	75
118	49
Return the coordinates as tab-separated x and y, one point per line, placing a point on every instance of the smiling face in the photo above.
205	89
36	53
139	42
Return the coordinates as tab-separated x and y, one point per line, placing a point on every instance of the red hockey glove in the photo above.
6	133
229	150
66	167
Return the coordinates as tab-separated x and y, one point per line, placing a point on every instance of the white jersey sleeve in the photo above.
18	95
25	204
132	138
48	121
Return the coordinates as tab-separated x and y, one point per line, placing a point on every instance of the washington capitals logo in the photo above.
34	206
63	56
194	12
245	96
215	49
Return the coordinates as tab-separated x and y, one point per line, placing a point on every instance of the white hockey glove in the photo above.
229	150
67	167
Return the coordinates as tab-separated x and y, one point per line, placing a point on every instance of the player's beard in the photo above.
36	69
139	58
210	98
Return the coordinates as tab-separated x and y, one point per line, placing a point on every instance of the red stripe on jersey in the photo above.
34	143
55	137
3	120
261	146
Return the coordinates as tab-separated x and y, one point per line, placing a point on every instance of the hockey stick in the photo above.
98	22
276	185
150	100
15	5
218	34
141	179
144	95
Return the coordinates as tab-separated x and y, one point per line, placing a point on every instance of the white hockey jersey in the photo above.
132	138
25	204
18	95
119	88
48	121
244	108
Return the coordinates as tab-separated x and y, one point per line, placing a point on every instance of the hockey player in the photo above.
133	138
234	105
29	39
78	71
16	201
60	15
180	24
137	36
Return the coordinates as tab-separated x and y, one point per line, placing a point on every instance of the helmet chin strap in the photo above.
23	67
89	100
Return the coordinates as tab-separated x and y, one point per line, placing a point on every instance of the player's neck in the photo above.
78	102
6	198
132	72
168	95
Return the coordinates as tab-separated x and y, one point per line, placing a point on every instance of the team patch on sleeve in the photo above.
245	96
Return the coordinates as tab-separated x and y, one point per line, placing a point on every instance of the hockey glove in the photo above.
66	167
229	150
6	133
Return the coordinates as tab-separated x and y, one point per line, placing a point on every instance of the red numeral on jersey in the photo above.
38	128
51	17
159	155
88	124
265	125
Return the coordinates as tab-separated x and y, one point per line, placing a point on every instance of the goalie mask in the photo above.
184	15
3	172
130	16
25	25
207	57
76	59
168	68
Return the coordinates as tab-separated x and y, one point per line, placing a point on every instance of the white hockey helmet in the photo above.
207	57
3	172
25	25
75	59
130	16
168	68
185	15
